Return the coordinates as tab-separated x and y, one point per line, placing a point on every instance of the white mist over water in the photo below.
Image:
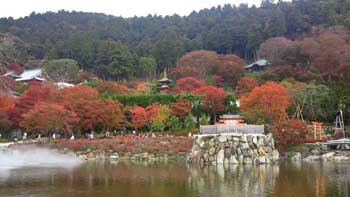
31	156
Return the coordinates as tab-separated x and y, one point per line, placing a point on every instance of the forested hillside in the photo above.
123	48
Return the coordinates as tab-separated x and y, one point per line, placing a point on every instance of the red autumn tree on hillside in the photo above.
112	88
139	117
181	108
214	100
106	113
35	94
74	94
267	103
245	85
7	102
152	111
230	68
81	100
187	84
274	49
219	80
289	133
47	118
146	117
197	64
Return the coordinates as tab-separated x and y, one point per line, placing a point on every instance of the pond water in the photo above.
177	179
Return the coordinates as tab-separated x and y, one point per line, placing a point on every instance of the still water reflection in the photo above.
176	179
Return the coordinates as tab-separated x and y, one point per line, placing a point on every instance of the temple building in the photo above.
28	76
231	119
257	66
164	83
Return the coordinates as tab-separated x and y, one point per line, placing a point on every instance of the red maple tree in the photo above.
213	101
289	133
112	88
187	84
139	117
245	85
48	117
35	94
230	68
267	103
181	108
7	102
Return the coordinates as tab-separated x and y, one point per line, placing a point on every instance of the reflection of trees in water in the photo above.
313	179
131	179
234	180
337	178
176	179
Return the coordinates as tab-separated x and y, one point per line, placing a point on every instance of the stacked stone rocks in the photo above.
233	149
318	152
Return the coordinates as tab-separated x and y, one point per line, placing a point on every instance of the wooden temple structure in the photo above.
231	119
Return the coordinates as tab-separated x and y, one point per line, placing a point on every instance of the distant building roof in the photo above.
231	116
261	63
31	74
62	85
11	74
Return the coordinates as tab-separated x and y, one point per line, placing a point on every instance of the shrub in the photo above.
189	123
173	123
204	120
158	124
290	133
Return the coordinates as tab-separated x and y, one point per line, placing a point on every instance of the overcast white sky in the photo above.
125	8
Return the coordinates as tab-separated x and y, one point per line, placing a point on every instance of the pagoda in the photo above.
164	83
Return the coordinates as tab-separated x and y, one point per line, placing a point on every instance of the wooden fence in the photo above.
230	128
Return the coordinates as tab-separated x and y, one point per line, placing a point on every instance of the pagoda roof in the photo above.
165	79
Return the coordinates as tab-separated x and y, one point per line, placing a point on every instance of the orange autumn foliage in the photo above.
85	102
35	94
145	116
267	103
7	102
245	85
48	117
112	88
139	117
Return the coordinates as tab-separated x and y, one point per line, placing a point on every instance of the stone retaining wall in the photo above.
318	152
145	156
233	149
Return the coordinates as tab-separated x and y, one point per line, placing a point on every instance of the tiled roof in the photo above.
31	74
261	62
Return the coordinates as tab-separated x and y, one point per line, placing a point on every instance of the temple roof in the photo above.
30	74
165	79
260	63
231	116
